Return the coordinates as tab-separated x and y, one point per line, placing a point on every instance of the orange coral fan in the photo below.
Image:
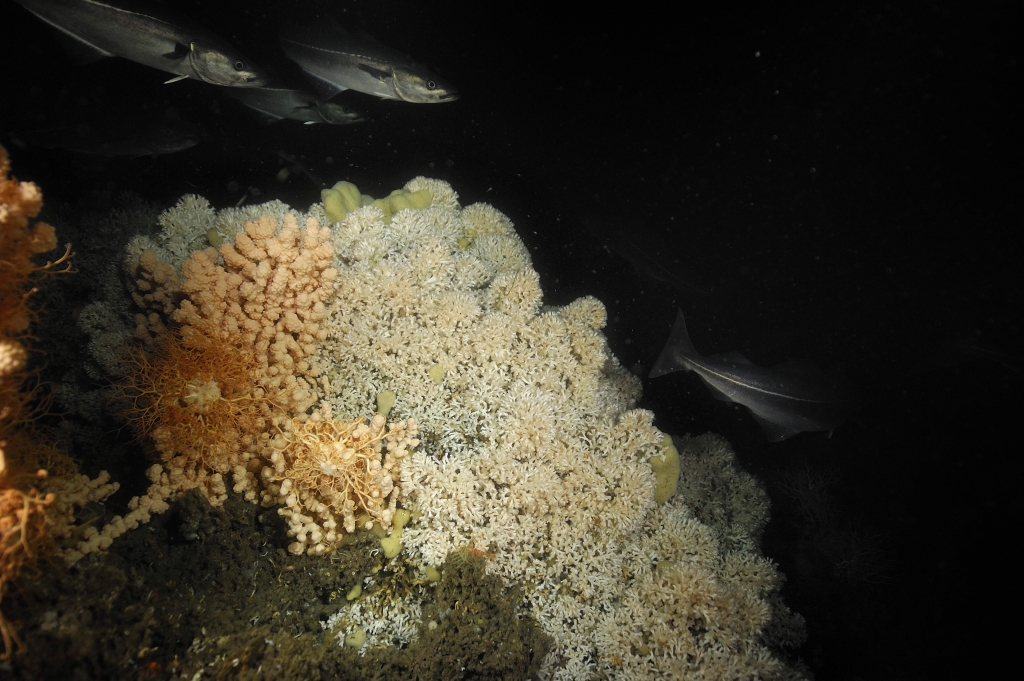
201	405
22	532
22	524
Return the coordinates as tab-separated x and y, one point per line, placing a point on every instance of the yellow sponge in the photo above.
666	471
340	199
400	199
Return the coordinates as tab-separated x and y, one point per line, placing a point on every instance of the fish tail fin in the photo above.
677	349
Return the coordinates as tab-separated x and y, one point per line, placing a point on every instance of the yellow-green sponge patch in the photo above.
214	238
340	199
436	373
392	545
401	199
665	465
385	401
356	639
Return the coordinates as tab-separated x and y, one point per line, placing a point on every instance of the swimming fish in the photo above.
277	103
149	34
786	399
337	60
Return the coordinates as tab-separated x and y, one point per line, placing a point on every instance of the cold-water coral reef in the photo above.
40	487
516	433
23	505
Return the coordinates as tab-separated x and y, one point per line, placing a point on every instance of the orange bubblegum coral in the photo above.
208	391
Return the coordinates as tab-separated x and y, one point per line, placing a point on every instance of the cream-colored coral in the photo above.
724	497
689	609
185	225
325	473
537	454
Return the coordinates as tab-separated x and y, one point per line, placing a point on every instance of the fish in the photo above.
149	34
787	399
336	60
117	137
277	103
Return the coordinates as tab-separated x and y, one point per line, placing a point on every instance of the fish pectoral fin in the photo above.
324	88
265	117
379	74
180	51
175	79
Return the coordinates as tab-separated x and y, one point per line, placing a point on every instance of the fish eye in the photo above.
431	85
239	65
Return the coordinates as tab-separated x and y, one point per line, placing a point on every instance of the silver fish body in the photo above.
147	34
336	60
786	399
277	103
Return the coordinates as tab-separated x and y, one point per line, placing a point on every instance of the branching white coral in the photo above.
533	450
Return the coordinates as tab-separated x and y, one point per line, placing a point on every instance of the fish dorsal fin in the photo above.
363	35
331	24
319	33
